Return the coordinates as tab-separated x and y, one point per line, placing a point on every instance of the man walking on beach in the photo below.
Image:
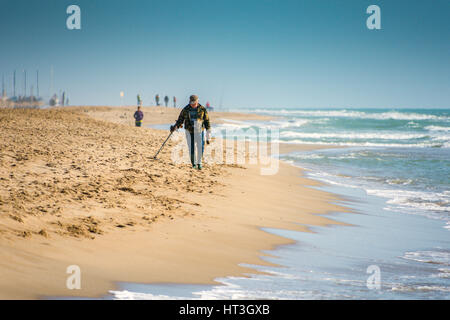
195	118
138	116
157	100
174	102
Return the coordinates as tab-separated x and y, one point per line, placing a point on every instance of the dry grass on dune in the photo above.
63	173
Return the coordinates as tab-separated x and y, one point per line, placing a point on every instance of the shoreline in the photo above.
225	231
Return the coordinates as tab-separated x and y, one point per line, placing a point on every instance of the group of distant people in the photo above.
194	117
139	115
166	101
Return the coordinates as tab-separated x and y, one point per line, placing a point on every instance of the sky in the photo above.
232	53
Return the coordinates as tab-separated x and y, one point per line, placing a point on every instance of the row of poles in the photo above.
25	84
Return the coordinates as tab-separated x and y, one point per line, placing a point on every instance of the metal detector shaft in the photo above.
162	145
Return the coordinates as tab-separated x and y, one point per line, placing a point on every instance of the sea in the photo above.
392	168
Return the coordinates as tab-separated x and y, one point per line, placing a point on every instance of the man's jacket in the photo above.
188	115
138	115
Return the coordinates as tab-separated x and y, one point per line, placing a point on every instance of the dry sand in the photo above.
78	187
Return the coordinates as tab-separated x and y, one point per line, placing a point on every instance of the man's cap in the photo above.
193	98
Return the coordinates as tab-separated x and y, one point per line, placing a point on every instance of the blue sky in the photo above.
241	53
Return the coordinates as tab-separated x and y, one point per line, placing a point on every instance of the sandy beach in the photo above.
78	186
311	160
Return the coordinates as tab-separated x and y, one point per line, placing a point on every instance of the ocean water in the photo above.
400	155
393	166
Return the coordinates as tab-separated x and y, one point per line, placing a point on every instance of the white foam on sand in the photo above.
371	144
393	115
437	128
354	135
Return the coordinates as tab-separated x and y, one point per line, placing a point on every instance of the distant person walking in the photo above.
208	107
138	116
174	102
139	100
166	100
195	119
157	99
